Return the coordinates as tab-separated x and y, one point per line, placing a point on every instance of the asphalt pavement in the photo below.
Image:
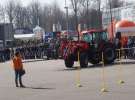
51	80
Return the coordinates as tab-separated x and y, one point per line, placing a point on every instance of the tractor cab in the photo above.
98	43
94	37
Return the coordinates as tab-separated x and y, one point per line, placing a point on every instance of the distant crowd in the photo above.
34	52
31	52
5	54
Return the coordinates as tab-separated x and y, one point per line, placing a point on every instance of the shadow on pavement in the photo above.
99	66
36	60
39	88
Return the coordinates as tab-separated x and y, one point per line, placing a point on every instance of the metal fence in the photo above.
126	52
42	52
33	52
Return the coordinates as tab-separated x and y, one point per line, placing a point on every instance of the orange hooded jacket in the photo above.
17	63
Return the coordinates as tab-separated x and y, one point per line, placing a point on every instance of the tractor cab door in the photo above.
98	38
87	37
95	38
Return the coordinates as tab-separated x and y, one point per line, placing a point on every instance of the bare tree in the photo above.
10	9
99	14
115	3
2	14
35	8
75	5
47	18
27	22
57	13
19	15
51	14
85	12
91	13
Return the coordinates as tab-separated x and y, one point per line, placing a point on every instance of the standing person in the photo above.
18	68
117	46
0	55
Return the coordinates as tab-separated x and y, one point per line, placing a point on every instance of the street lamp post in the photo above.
3	30
66	8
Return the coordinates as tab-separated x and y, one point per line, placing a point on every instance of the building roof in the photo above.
92	31
24	36
23	31
38	28
125	23
126	27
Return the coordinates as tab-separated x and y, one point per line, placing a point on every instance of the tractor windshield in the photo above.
87	37
95	37
98	36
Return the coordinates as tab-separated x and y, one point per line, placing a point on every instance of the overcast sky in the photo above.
26	2
60	2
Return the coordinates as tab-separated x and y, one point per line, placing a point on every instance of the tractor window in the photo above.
98	36
87	37
94	36
104	35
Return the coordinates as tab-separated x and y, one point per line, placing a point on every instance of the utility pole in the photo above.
87	14
66	8
4	35
99	14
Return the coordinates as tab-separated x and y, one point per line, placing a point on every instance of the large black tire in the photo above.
95	59
69	62
83	60
109	55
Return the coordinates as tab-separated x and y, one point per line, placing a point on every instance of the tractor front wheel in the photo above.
69	62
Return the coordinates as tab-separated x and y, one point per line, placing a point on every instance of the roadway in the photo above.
50	80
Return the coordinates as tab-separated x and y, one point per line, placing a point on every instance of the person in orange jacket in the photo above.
18	68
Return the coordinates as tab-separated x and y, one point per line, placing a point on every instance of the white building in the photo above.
39	32
127	12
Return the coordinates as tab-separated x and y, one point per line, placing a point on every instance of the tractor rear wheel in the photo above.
109	55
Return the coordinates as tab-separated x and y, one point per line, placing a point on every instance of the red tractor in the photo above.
90	48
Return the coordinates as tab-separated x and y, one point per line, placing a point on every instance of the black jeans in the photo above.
18	76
